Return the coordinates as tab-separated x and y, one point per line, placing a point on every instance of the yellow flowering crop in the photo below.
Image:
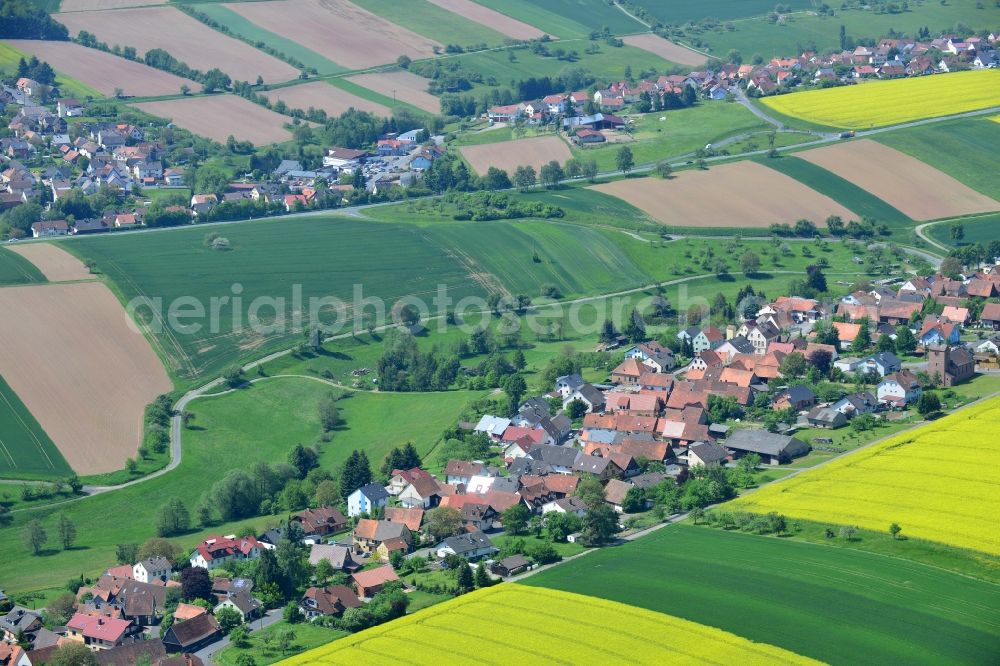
881	103
514	624
939	482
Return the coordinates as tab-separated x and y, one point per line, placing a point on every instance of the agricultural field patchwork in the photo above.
913	187
91	404
883	103
104	72
446	21
25	450
679	12
509	155
15	269
891	482
93	5
832	604
362	38
181	36
219	116
541	624
755	197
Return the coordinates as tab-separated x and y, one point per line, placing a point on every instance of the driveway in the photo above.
206	653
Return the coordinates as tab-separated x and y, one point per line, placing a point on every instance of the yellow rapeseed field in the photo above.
514	624
881	103
939	482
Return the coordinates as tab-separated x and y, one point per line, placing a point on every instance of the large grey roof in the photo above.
559	456
762	441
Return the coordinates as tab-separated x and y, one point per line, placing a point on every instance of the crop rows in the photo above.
939	482
514	624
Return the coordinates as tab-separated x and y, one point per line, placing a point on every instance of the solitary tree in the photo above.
696	514
34	537
625	160
749	263
894	530
848	532
928	404
67	532
464	578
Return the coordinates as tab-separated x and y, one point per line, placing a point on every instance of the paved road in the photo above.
206	653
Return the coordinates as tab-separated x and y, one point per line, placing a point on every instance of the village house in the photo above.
19	621
366	499
425	493
472	546
403	477
49	229
152	570
191	635
214	551
329	601
320	521
243	603
706	454
339	557
826	417
772	448
369	534
899	389
98	632
461	471
370	582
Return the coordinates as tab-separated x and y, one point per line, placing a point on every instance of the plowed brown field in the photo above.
522	152
72	358
181	36
490	18
218	116
322	95
915	188
339	30
666	49
407	87
55	263
739	194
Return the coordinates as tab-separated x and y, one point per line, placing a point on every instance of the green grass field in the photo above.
682	131
840	190
802	31
828	603
15	269
594	14
255	33
608	64
26	452
678	12
307	636
429	20
235	430
371	95
979	230
961	148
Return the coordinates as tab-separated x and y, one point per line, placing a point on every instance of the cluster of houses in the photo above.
114	616
889	59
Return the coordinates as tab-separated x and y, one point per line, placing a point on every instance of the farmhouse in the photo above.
772	448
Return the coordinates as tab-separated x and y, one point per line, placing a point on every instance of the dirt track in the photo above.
494	20
72	358
666	49
55	263
183	37
915	188
739	194
102	71
509	155
218	116
338	30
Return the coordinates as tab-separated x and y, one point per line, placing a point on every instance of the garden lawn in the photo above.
433	22
253	32
307	636
15	269
961	148
840	190
26	452
258	424
832	604
682	131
